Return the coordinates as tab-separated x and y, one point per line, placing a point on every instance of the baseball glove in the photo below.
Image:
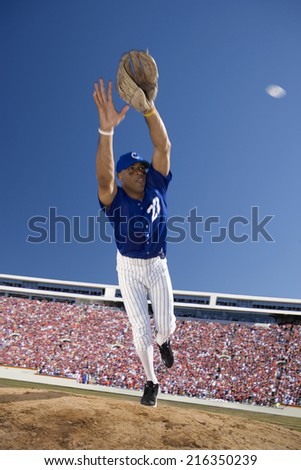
137	80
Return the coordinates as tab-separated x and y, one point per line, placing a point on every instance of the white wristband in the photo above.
105	132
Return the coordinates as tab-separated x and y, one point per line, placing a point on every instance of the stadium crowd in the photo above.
239	362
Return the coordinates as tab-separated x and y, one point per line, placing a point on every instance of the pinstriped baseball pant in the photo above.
140	279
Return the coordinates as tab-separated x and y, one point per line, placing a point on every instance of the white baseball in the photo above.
275	91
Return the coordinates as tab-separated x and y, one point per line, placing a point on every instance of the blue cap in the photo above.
129	159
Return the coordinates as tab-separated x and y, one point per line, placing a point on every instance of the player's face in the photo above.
133	178
136	168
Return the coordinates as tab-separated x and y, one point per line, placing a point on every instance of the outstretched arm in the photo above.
160	140
109	118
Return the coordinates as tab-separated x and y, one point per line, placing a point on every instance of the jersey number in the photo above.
154	208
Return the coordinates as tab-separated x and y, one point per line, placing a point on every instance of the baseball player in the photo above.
137	211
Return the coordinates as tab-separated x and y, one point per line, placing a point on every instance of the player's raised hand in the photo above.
108	115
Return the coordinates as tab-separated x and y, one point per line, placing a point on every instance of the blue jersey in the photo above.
140	227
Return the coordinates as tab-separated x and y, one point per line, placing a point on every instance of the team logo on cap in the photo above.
135	155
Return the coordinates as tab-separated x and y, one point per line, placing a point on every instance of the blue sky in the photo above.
234	147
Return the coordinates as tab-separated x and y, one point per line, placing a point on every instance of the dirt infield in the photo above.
40	419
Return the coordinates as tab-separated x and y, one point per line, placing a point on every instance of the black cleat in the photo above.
150	394
166	354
